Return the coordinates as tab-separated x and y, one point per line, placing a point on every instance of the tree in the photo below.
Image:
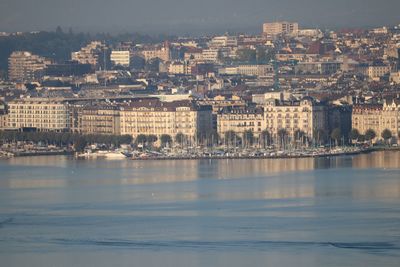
282	136
386	135
246	55
265	138
336	135
361	138
151	139
80	144
180	138
166	140
319	136
300	136
153	65
230	137
212	137
141	139
370	135
125	139
354	134
264	55
248	138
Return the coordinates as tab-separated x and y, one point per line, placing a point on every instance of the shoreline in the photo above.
255	157
209	157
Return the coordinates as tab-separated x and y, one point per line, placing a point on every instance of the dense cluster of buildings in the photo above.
286	81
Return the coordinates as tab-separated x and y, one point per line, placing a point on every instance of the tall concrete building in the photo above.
24	66
280	27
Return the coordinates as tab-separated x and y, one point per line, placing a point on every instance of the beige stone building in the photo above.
391	116
241	119
39	114
378	117
162	52
178	67
305	115
151	116
375	72
100	120
24	66
367	116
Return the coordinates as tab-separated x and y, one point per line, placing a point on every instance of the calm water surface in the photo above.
342	211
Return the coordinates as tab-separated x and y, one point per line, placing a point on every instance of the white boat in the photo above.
102	154
115	155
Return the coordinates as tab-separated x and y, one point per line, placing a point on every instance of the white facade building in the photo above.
121	58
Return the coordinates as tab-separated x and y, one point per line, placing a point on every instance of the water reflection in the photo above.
256	179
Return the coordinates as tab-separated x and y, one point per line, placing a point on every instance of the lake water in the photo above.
340	211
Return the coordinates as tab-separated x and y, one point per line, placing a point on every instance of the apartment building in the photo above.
101	119
193	54
210	55
378	117
248	70
367	116
24	66
280	27
241	119
38	114
325	68
305	115
120	58
178	67
223	41
391	116
151	116
162	52
95	54
375	72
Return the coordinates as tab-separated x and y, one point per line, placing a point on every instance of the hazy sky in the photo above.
186	16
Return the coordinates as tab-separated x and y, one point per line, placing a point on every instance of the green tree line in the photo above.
64	139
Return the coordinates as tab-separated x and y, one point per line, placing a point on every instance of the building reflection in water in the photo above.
193	179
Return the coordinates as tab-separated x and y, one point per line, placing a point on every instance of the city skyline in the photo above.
178	17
